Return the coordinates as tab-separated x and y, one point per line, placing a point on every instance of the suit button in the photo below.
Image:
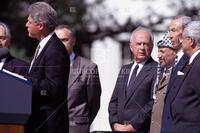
167	117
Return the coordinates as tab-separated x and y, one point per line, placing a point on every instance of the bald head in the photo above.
141	44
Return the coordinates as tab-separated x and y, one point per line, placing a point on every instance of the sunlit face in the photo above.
175	33
4	42
187	44
66	37
166	56
141	46
34	29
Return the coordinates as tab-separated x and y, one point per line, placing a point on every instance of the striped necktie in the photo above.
34	57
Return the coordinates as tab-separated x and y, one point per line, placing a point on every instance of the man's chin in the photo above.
141	59
162	64
31	36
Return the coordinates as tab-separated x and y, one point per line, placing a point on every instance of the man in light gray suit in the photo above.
84	87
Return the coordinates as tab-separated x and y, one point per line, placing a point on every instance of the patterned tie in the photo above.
176	60
35	56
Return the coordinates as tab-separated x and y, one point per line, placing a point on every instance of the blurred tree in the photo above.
92	19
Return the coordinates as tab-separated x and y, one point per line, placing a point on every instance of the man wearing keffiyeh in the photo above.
166	56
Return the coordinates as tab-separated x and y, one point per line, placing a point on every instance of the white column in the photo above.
107	55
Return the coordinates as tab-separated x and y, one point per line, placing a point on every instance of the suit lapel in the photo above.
7	61
183	61
75	71
164	81
125	74
36	62
180	81
141	76
122	81
8	65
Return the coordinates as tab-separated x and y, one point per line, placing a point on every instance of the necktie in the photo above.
176	60
35	56
134	74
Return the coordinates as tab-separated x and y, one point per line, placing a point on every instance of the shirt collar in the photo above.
44	41
139	64
167	70
179	54
2	61
193	56
72	57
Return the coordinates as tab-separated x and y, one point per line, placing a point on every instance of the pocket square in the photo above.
180	73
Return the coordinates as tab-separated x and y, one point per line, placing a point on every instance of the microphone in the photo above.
4	52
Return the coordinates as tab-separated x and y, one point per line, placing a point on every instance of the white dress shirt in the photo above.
43	42
2	61
138	71
193	56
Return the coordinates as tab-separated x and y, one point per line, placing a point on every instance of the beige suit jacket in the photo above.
156	115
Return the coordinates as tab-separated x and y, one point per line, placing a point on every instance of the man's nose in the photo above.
170	35
142	46
159	56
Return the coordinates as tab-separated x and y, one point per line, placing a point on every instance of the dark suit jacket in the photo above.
15	65
84	90
185	103
167	122
49	76
136	106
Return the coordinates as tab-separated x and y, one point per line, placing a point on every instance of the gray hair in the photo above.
193	30
184	20
7	31
42	12
140	28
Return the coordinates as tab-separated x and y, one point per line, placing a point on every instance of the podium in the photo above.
15	102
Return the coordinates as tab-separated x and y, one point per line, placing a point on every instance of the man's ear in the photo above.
131	46
192	42
41	26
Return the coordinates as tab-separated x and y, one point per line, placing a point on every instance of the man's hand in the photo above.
130	128
121	127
